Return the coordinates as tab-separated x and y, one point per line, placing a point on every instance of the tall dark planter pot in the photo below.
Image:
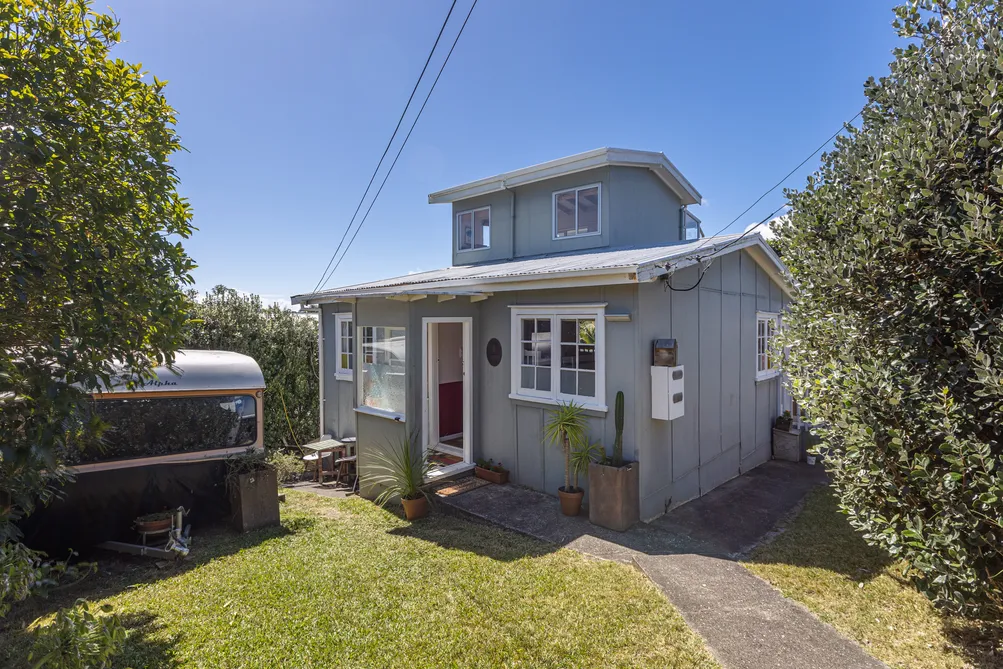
614	501
254	500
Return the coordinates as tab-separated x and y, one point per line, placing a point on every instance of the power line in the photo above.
389	143
786	177
401	149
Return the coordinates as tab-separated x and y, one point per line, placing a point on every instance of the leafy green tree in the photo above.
283	342
91	266
896	336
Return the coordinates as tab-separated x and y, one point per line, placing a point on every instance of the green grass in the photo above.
344	583
822	563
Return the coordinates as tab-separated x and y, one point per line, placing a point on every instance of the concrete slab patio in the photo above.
689	554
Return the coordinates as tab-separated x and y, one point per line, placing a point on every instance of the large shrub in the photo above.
896	337
283	342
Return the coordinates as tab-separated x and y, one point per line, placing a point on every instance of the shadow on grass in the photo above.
118	572
471	536
979	642
821	537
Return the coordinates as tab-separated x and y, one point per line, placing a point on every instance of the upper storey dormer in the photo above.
601	198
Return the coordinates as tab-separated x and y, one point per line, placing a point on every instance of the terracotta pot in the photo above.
571	502
488	475
153	525
415	508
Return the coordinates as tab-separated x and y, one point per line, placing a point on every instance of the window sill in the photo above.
343	376
381	413
600	408
766	376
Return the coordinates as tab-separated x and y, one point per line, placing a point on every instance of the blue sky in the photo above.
285	108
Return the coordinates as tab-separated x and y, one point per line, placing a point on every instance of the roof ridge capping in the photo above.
652	160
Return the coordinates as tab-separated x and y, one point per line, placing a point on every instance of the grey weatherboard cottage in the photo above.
563	275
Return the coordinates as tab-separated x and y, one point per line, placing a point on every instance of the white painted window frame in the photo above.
774	371
459	236
576	189
555	313
342	373
361	407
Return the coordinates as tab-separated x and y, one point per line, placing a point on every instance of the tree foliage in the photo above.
283	342
92	270
896	336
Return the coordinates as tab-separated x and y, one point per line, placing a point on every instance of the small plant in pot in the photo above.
784	422
566	428
401	471
614	484
489	470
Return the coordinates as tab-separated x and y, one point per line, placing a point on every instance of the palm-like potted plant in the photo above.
614	501
566	428
401	471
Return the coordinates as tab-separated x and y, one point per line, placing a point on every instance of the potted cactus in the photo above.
614	501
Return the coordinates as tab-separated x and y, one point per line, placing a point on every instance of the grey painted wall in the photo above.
637	209
339	396
726	427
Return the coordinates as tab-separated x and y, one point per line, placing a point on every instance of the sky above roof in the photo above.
285	109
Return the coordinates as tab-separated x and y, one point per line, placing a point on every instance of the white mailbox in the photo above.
667	400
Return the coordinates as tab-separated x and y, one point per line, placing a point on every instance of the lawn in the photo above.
344	583
822	563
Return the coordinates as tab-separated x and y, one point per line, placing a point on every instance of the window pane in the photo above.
588	210
587	384
543	378
568	356
528	376
543	325
145	427
569	331
528	354
528	328
543	352
587	357
587	331
565	214
465	231
568	382
482	229
383	372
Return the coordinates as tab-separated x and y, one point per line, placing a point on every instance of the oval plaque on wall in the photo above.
494	352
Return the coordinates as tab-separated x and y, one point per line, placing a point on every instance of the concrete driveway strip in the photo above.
746	622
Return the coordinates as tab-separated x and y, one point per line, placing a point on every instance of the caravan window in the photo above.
151	426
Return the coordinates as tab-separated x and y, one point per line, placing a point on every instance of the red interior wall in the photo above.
450	408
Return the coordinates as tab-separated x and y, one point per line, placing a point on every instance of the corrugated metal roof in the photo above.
604	260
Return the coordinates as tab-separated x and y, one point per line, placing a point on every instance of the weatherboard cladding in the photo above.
627	259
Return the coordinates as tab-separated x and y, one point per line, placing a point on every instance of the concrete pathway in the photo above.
689	554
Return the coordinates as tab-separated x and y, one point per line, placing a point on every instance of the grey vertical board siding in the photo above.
686	430
653	319
637	209
710	374
527	442
339	396
621	371
376	435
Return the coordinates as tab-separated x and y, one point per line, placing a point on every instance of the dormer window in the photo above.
576	212
473	229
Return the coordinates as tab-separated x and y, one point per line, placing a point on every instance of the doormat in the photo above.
451	488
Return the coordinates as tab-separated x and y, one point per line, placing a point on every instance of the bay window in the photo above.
382	367
559	354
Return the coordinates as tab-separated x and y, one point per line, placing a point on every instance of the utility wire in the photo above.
786	177
401	149
718	251
387	149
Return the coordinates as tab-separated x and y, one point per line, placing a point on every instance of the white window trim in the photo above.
553	211
774	371
359	387
556	313
341	373
456	220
